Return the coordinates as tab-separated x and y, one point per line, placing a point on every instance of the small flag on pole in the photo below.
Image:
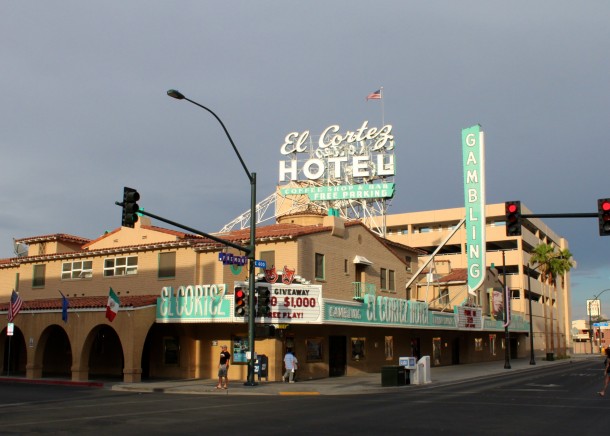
64	307
374	95
112	307
14	306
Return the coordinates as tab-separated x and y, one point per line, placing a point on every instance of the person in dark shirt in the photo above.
223	368
606	372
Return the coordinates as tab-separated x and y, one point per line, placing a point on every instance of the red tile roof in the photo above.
54	237
457	275
133	301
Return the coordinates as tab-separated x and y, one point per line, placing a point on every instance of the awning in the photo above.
362	260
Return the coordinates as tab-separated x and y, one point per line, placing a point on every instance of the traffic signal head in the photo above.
240	307
603	213
263	302
130	207
512	210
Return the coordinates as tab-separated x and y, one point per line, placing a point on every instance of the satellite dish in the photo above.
19	248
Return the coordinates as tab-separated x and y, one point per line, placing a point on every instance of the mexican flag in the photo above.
112	307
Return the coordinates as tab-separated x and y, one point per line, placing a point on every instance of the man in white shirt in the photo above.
290	362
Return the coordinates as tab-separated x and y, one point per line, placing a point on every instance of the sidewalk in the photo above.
361	384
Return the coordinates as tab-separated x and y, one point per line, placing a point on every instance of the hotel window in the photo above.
383	284
391	283
408	260
319	266
77	270
443	297
38	276
268	257
121	266
167	265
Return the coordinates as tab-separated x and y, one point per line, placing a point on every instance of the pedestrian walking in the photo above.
290	362
606	374
223	368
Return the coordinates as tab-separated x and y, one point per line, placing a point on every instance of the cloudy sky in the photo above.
84	109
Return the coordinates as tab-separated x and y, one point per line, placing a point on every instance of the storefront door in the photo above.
337	355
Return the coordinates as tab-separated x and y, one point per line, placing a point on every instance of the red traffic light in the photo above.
603	214
512	211
241	305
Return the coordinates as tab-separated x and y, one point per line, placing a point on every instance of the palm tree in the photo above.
551	264
562	265
541	255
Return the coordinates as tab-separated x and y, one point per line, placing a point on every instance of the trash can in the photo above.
549	356
393	376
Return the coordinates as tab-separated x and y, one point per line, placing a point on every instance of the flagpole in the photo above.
382	108
8	363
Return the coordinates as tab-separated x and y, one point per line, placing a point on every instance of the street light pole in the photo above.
250	249
595	297
529	291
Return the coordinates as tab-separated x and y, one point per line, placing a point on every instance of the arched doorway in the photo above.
106	358
15	353
56	353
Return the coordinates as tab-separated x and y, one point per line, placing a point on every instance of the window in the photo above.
171	351
319	267
515	294
408	260
387	280
167	265
121	266
358	348
314	349
38	278
240	348
345	266
389	348
268	257
443	297
77	270
478	344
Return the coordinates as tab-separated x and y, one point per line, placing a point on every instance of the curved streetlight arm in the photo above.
251	248
179	96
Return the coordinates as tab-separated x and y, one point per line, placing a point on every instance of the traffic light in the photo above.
130	207
240	308
513	218
263	302
603	213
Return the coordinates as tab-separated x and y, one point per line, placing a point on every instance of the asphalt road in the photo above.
559	400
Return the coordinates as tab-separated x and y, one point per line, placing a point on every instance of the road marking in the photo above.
298	393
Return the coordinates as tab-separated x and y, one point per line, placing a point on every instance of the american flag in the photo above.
374	95
14	306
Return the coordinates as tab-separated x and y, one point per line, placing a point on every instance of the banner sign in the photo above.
343	192
194	303
473	154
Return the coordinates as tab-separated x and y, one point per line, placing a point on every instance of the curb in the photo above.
39	381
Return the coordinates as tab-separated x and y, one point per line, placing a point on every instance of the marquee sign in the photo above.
292	304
